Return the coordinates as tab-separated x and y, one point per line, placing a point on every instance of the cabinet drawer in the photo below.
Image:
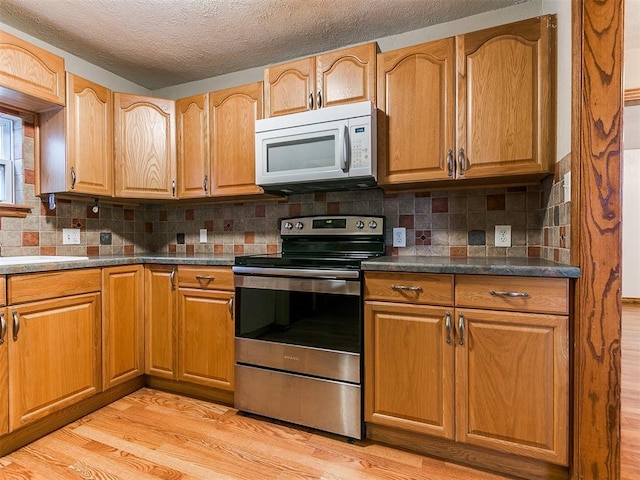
207	278
60	283
3	291
523	294
434	289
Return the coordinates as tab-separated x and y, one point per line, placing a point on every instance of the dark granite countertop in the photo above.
534	267
531	267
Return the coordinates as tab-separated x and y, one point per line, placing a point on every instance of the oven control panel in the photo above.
351	225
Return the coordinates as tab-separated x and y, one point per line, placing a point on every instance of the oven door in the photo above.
310	324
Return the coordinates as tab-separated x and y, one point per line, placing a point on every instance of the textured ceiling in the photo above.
160	43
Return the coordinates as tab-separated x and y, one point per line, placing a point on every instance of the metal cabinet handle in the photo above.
172	276
447	325
208	278
461	328
16	325
311	101
173	188
461	162
407	288
450	163
231	307
205	184
3	328
319	99
508	294
73	178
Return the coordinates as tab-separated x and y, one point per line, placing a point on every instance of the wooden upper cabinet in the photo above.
332	78
192	145
30	77
416	90
233	115
346	76
145	147
506	100
77	141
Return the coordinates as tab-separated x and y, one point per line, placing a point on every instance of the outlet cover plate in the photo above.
203	235
400	237
503	235
71	236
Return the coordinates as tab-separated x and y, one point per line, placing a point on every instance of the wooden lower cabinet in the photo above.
205	338
409	368
54	355
510	368
4	373
122	324
161	321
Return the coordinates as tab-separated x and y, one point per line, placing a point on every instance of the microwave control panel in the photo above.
360	139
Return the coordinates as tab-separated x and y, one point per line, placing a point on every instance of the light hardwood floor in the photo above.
151	434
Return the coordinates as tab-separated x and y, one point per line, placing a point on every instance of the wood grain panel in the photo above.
436	289
145	147
596	234
288	86
4	371
233	115
544	295
161	321
32	71
419	126
3	290
122	324
348	75
512	381
55	360
207	278
194	167
40	286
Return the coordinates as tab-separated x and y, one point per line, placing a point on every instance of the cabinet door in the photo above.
206	354
122	324
289	88
4	372
145	152
512	383
416	91
89	137
161	313
31	77
233	115
346	76
192	123
506	124
409	368
54	354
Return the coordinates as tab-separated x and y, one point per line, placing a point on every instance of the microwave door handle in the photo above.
344	157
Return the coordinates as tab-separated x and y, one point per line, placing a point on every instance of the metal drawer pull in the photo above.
450	163
172	276
508	294
3	328
461	328
208	278
447	324
405	287
16	325
231	307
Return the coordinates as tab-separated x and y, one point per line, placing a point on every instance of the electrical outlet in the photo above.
70	236
503	235
203	235
400	237
567	187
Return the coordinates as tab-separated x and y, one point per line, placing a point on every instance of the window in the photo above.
6	160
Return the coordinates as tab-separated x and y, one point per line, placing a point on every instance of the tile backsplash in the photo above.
456	223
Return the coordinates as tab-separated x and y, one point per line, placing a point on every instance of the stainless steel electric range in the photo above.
299	323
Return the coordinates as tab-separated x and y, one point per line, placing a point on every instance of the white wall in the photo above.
632	67
81	67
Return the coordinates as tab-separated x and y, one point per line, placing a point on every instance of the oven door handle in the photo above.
297	272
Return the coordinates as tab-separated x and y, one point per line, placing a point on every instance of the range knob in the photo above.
299	225
288	225
373	224
360	224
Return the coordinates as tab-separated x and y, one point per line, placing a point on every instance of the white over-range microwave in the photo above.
330	148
